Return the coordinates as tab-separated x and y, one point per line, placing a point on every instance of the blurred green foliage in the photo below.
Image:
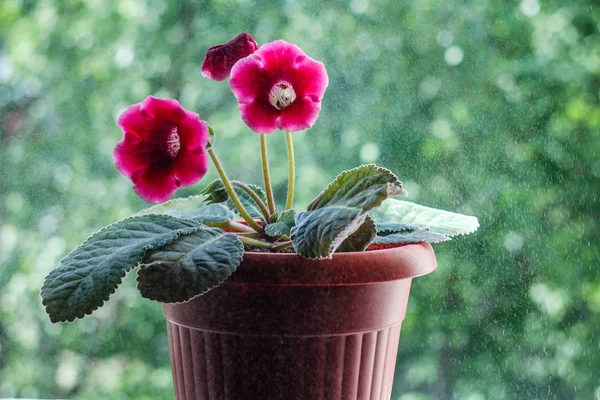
484	107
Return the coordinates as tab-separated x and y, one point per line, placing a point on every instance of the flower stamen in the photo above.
173	143
282	94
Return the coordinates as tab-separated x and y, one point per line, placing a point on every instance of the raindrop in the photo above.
124	57
530	7
453	55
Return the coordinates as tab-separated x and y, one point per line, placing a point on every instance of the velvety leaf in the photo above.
387	229
365	187
318	233
444	222
86	277
360	239
341	209
193	208
284	224
189	266
412	236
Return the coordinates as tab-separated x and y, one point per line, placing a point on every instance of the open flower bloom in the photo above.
164	147
279	86
219	59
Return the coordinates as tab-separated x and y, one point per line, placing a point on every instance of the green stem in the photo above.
231	192
236	226
266	174
251	235
282	246
232	225
291	171
255	242
257	200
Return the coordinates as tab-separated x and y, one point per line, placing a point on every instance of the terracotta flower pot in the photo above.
284	327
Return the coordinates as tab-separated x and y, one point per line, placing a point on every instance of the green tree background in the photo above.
485	107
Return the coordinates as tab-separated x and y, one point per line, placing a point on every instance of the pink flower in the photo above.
219	59
279	86
163	148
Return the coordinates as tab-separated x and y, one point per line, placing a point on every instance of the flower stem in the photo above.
231	225
266	174
255	242
232	193
257	200
236	226
291	171
282	246
251	235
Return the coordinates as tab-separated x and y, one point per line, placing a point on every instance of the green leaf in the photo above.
444	222
319	233
284	224
193	208
341	209
387	229
86	277
365	187
402	233
360	239
189	266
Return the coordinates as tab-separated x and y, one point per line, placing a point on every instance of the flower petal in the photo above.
193	133
134	121
220	59
279	56
260	117
299	115
154	185
127	156
310	78
189	166
163	109
248	80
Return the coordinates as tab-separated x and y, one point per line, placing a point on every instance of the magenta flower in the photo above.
279	86
219	59
163	148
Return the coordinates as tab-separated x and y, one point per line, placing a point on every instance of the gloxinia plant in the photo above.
187	246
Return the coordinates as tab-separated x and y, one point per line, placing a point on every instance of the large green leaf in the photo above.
189	266
360	239
365	187
284	224
318	233
389	234
384	229
444	222
86	277
193	208
341	209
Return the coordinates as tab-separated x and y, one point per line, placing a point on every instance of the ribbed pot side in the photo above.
284	327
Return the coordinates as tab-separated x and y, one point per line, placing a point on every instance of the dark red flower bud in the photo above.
220	59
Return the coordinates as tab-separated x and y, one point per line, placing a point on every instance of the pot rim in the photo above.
290	269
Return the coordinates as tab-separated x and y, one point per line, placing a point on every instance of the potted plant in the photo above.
260	303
